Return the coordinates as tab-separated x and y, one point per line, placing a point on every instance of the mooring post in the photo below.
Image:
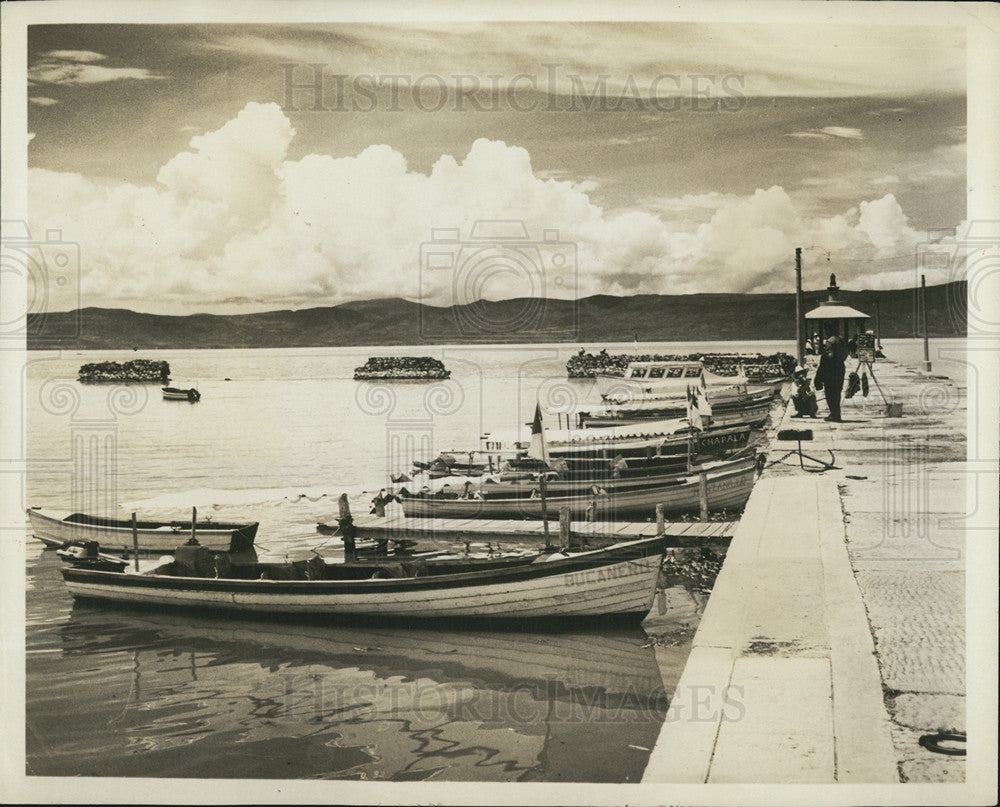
660	521
565	528
347	528
923	322
135	543
194	524
703	495
878	325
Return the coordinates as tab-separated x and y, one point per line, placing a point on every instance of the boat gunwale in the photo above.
114	524
741	466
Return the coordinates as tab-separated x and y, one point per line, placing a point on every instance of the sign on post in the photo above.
866	347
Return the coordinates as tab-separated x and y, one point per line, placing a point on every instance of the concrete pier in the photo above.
835	634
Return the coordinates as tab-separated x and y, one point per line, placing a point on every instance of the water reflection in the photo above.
174	695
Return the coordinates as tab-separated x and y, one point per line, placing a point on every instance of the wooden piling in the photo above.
703	495
347	529
565	528
660	520
135	543
194	524
545	509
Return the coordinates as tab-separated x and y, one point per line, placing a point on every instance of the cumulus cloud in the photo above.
885	224
232	218
81	67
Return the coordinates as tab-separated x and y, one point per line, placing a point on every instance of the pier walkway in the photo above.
456	530
835	634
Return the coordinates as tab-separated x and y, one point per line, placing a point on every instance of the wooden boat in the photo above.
619	580
200	561
447	464
176	394
752	412
55	528
591	451
669	380
558	485
728	488
566	441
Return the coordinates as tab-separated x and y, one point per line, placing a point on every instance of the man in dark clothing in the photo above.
830	375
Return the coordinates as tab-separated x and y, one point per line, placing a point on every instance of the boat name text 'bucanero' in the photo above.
600	575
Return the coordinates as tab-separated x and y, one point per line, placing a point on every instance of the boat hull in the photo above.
752	416
53	529
632	477
726	491
618	581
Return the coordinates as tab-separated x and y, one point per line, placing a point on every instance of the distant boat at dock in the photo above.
669	380
751	409
728	486
55	528
658	442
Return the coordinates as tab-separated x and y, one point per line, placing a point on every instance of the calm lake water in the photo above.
276	437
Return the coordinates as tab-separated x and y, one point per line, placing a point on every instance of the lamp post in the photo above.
799	349
923	323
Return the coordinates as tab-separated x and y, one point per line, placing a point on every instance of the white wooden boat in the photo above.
752	412
666	379
627	439
619	580
669	381
727	488
55	528
560	484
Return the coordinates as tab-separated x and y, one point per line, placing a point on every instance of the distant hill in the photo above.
602	318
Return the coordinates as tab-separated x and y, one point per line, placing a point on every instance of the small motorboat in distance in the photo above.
56	528
177	394
619	580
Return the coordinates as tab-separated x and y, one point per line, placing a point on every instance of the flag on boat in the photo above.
537	449
698	407
693	413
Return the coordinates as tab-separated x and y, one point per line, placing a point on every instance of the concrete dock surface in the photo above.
834	637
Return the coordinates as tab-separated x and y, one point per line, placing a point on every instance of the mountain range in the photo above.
393	321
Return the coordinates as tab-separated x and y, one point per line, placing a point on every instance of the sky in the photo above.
199	169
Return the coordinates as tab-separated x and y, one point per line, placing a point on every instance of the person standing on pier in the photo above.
830	375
